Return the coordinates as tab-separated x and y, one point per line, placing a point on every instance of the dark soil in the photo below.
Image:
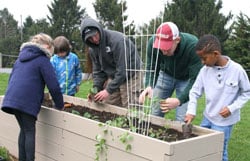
113	119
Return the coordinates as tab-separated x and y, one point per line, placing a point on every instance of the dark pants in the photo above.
26	139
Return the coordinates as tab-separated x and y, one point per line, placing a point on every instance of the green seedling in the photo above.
92	92
101	147
125	138
87	115
75	112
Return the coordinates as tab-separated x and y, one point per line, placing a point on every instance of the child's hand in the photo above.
225	112
189	118
67	105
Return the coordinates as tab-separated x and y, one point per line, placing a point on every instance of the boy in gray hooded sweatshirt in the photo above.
115	64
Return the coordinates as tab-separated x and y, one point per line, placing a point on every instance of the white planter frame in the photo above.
62	136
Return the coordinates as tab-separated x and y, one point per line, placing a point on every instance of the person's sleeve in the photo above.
99	77
119	57
193	69
194	94
78	72
51	81
52	61
152	64
244	95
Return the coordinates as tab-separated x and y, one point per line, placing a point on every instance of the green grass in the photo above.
4	153
3	82
239	143
84	89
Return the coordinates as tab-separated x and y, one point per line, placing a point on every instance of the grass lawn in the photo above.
238	146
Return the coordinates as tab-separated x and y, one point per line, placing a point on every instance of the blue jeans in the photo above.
26	139
164	88
227	134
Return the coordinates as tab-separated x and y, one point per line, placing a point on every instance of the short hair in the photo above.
208	43
62	44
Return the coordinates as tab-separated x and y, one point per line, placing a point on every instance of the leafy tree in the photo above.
198	17
65	20
65	17
8	25
31	27
27	24
238	44
112	14
10	37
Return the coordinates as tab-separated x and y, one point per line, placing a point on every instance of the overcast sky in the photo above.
141	11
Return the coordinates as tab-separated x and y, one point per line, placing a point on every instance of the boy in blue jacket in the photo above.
67	67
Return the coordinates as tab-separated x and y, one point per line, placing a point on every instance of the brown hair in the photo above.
62	44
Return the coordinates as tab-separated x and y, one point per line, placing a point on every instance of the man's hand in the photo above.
164	107
225	112
170	103
102	95
189	118
147	92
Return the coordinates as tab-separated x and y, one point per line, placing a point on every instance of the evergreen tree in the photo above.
8	25
112	15
30	27
237	46
198	17
10	38
65	17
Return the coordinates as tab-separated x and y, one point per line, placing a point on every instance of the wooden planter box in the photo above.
63	136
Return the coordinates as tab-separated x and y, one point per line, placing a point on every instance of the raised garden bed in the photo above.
134	124
65	136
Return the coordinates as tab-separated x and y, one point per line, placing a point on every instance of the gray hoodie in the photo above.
114	57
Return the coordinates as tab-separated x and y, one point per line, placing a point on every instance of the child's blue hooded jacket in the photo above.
68	72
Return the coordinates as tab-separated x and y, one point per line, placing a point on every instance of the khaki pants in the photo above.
128	93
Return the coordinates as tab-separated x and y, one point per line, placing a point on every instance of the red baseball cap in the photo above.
165	34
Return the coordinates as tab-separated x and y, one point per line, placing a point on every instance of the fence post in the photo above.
1	60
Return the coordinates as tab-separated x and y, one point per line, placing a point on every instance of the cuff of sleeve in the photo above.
109	91
191	109
231	109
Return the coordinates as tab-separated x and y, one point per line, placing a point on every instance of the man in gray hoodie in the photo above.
115	62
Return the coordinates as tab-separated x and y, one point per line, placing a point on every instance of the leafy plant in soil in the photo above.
130	122
113	119
92	92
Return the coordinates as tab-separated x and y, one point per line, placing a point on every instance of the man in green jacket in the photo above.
172	66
